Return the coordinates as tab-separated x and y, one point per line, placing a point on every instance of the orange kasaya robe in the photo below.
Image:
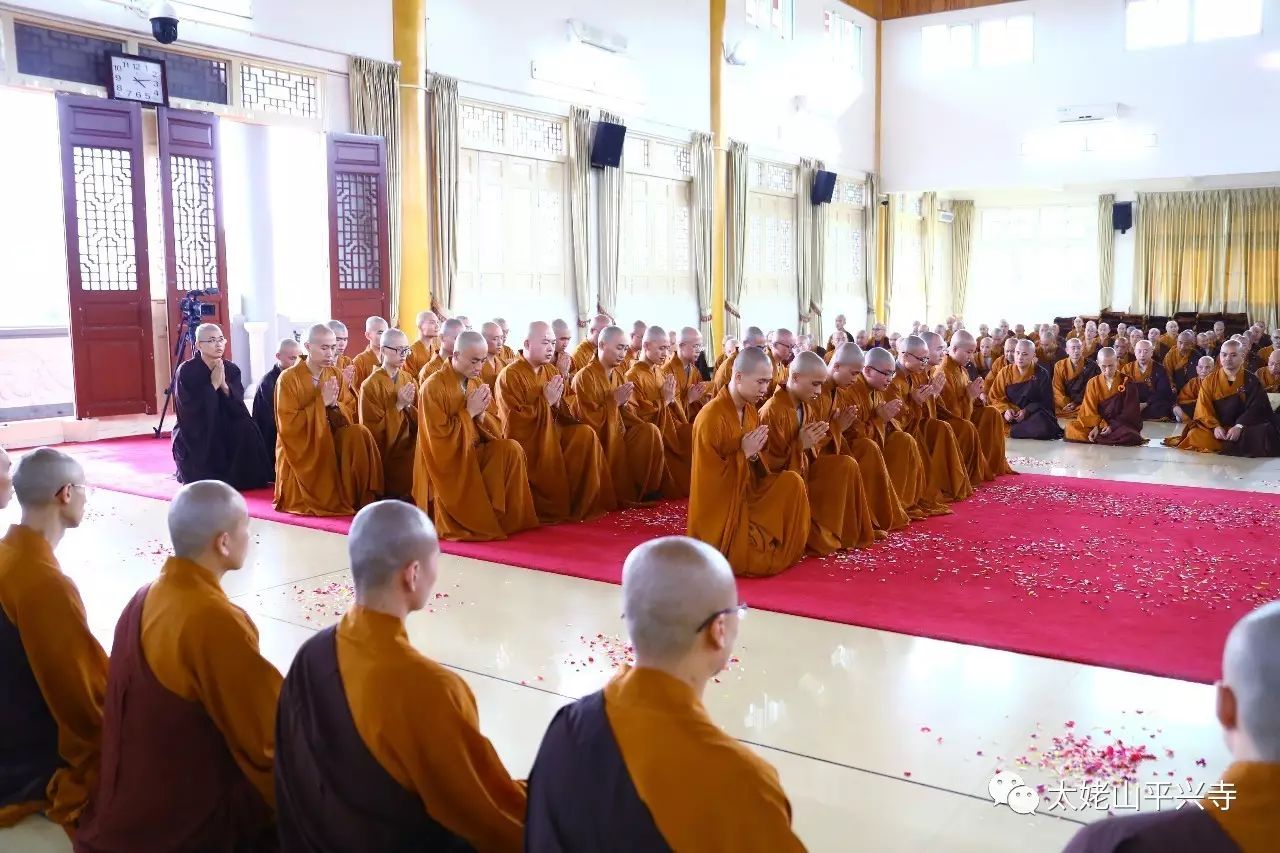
945	470
480	481
1197	434
966	435
647	406
757	518
492	366
987	425
1096	393
887	510
1175	360
1090	348
632	446
1064	373
419	354
687	376
997	364
439	361
366	362
325	464
1168	342
394	430
583	354
55	680
899	450
568	472
349	395
1270	381
839	516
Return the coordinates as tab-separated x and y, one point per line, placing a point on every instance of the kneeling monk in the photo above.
1110	413
1233	416
757	518
389	410
379	747
961	398
325	464
627	768
1155	393
801	440
1070	377
1023	394
188	738
912	385
568	472
479	479
656	400
633	447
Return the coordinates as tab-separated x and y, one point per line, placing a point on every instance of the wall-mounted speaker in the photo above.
824	187
1122	216
606	149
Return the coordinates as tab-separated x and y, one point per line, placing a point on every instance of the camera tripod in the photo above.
186	343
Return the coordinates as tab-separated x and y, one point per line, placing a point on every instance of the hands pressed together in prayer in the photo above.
349	375
553	390
478	400
844	418
753	442
622	393
218	376
668	389
889	410
1101	429
975	388
329	392
813	434
563	363
404	398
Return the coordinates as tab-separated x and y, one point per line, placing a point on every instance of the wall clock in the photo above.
136	78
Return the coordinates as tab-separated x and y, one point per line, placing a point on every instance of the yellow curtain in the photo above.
375	110
1180	259
1253	258
961	252
1106	251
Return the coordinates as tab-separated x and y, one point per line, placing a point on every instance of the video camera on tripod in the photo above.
193	310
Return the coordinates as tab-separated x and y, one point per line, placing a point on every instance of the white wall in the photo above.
1211	105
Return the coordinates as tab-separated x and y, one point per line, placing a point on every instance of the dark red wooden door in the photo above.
359	268
107	263
194	237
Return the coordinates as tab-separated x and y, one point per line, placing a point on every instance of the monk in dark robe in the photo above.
879	338
427	344
1248	709
480	480
628	767
655	400
1269	376
945	470
1070	377
585	352
1273	343
188	738
1155	393
1109	414
389	411
1092	343
1180	362
370	358
1248	358
1184	410
801	439
264	399
215	437
1023	394
753	337
379	747
692	391
756	517
568	472
1233	416
1124	351
632	446
960	401
325	464
53	670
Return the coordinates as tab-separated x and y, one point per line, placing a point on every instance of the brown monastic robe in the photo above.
633	447
945	470
675	428
1114	405
1066	374
395	431
1224	402
349	394
419	354
366	362
986	422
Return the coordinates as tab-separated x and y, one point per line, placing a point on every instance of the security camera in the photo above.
164	22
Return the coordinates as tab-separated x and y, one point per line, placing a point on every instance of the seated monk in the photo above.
1070	376
632	447
1092	343
1104	335
188	736
1124	351
1264	354
1248	709
427	345
508	354
637	345
1023	395
757	518
1155	393
801	439
449	331
1180	362
1233	416
656	400
349	395
378	746
560	331
878	337
53	670
1169	340
389	410
1048	351
325	464
1077	329
754	337
1109	414
264	399
981	361
961	401
1184	410
945	471
626	768
728	349
1269	376
965	432
998	364
493	361
859	384
692	392
1208	344
479	481
585	352
371	357
568	472
215	437
782	349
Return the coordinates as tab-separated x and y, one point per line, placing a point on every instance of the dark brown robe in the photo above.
1189	829
1034	398
215	438
1250	409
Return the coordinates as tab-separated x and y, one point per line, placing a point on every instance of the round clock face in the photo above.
137	80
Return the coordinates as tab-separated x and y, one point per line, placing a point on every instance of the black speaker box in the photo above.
824	187
1122	216
606	150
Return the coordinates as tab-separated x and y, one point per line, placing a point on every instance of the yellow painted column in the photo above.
409	42
719	200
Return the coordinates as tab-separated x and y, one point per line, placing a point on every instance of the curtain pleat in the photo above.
928	245
735	236
805	214
872	214
884	257
818	266
375	110
579	202
612	182
1180	258
961	253
700	222
1106	251
1253	280
443	116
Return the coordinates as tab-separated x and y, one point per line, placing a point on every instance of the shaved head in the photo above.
561	332
207	516
611	334
393	338
808	363
489	328
1075	348
453	326
806	377
750	360
1251	674
850	354
375	324
287	352
322	347
207	330
386	538
469	353
492	334
1205	365
754	337
598	323
42	473
539	346
319	333
339	328
655	333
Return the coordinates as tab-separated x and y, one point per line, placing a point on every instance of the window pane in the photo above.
962	46
1019	39
1156	23
935	45
1217	19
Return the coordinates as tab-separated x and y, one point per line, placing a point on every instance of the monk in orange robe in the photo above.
999	363
801	439
1023	395
626	768
944	468
427	344
1169	340
371	357
1155	392
188	735
325	464
754	337
564	336
1070	376
728	349
389	410
632	446
692	393
568	472
1233	416
965	431
1110	414
449	331
493	360
961	401
756	517
782	350
1184	410
53	670
1269	376
349	393
480	481
656	401
1077	329
1264	354
1092	343
859	382
585	353
380	747
1179	362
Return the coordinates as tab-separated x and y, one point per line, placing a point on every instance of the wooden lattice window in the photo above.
61	55
108	253
359	261
195	78
274	90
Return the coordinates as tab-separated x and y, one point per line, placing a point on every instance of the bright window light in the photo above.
947	47
844	40
1221	19
1157	23
1005	41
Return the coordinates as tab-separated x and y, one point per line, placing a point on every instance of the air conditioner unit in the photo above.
946	217
1089	112
597	37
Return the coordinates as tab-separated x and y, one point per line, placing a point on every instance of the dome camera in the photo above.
164	22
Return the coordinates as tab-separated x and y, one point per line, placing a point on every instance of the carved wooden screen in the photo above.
359	275
110	289
195	242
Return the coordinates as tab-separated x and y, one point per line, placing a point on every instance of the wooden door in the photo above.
107	265
194	236
359	268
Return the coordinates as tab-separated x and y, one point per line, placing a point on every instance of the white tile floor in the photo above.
893	735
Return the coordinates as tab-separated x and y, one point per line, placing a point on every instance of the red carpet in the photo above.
1125	575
